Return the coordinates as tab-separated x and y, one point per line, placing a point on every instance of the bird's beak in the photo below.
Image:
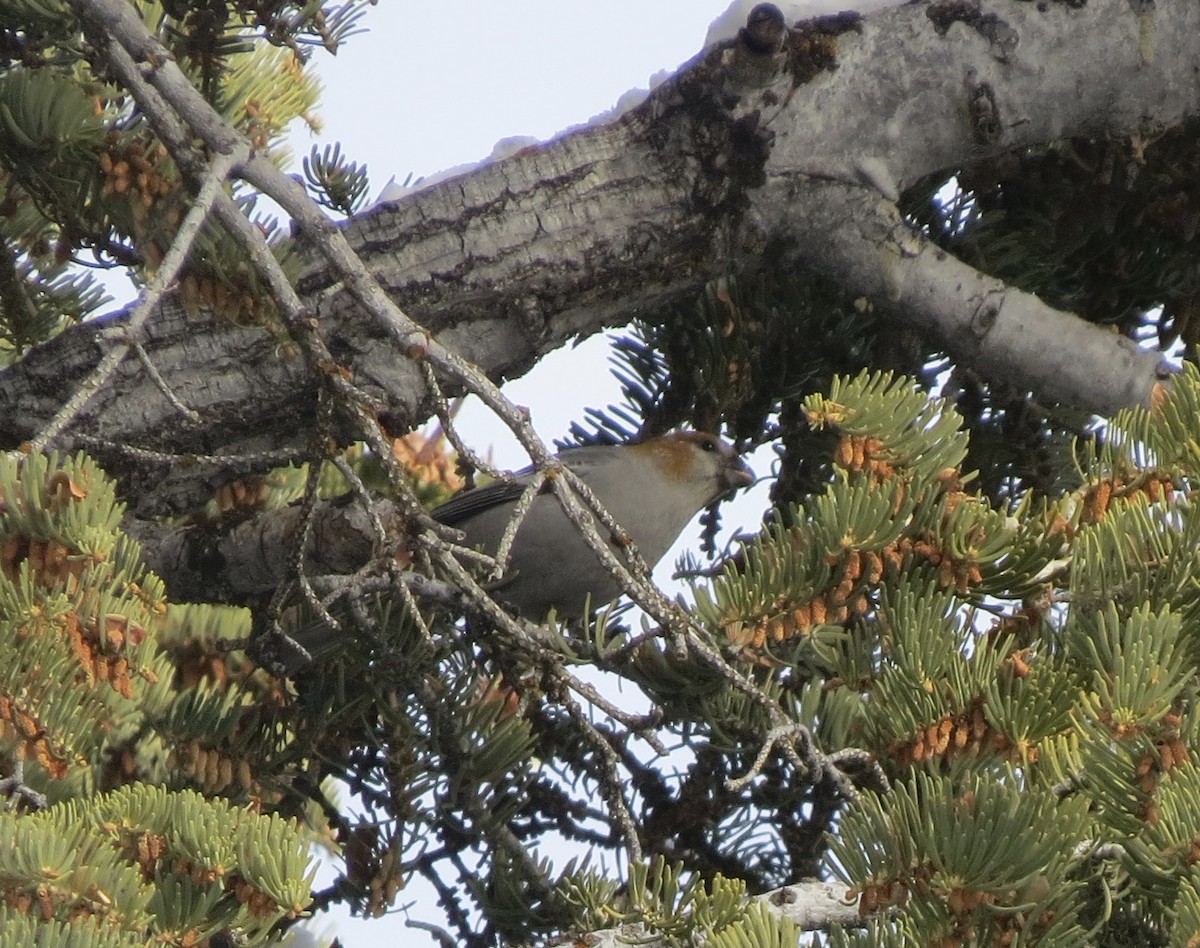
737	476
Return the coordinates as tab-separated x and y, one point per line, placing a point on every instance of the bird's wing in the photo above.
470	502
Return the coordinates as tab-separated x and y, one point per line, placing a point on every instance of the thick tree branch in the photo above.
1006	335
564	239
236	564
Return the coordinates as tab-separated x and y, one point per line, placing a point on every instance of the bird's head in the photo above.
698	463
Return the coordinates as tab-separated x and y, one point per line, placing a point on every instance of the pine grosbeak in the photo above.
652	489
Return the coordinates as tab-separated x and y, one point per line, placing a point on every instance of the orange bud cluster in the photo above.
195	663
1096	500
1006	928
962	901
249	494
144	849
101	656
1172	753
850	596
426	458
876	896
1121	730
120	768
50	561
61	490
966	734
861	570
136	171
18	726
959	575
258	902
201	876
858	453
214	771
150	848
197	292
950	482
258	125
1155	486
1169	753
38	901
850	593
1148	773
1017	663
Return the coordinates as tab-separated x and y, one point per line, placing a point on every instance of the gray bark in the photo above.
585	232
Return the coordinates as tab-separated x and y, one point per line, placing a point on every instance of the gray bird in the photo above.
653	489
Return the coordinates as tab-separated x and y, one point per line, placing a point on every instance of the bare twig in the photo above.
636	724
774	737
152	370
520	511
15	788
263	458
610	780
445	417
210	191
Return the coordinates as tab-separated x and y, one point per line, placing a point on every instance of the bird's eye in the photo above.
708	444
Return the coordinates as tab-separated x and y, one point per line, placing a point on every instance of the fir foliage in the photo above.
1025	676
955	669
84	181
151	863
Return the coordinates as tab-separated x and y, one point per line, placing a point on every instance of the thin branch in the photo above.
152	370
445	416
638	725
520	511
164	278
18	791
777	735
609	780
